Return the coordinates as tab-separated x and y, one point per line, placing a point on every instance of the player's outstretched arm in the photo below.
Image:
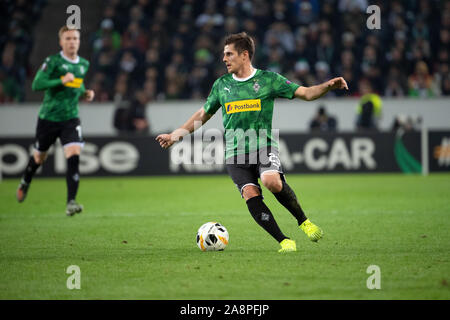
195	121
315	92
42	80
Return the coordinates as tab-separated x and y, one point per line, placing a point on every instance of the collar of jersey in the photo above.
245	79
68	59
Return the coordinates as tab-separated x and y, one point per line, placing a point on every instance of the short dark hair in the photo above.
242	41
66	28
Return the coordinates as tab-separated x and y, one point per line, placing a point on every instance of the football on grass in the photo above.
212	236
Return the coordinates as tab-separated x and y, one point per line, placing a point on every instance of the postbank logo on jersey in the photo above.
243	106
76	83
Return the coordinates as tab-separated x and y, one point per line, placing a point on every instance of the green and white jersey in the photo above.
60	100
247	108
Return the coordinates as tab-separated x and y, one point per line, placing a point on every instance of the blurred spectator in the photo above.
351	80
370	67
129	64
445	87
396	83
210	16
106	36
9	89
14	72
421	83
231	25
369	107
302	51
322	72
302	74
98	84
198	81
280	35
366	118
261	12
150	89
137	14
275	60
175	83
325	49
306	11
281	12
322	121
394	89
138	118
349	70
131	117
104	62
352	5
348	42
3	97
152	58
135	38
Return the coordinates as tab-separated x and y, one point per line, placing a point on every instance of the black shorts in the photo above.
245	169
68	132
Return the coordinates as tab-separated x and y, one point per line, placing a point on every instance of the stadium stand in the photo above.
172	49
17	19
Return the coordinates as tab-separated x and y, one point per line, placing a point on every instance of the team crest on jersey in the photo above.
82	69
65	66
256	87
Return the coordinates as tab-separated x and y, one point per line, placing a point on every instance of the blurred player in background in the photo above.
246	96
61	76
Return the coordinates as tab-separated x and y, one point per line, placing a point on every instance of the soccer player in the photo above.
61	76
246	97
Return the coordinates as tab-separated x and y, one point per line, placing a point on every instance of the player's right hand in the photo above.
165	140
68	77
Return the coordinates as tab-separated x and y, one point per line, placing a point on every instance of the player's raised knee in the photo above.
272	181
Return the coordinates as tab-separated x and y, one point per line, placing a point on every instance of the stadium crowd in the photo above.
171	49
17	19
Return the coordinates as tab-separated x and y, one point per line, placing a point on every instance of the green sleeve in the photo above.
283	88
42	79
83	87
212	103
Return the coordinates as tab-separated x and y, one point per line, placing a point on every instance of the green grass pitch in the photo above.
136	239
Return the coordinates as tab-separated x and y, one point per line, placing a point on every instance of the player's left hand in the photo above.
337	83
89	95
